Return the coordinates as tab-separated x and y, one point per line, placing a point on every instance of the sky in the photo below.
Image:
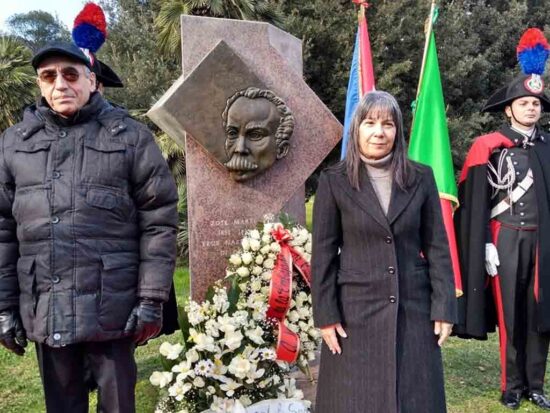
66	10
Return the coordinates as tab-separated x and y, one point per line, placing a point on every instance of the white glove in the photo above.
491	259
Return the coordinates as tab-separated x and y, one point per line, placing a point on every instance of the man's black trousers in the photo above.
523	350
111	364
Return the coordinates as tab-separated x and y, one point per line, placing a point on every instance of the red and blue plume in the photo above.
90	28
533	50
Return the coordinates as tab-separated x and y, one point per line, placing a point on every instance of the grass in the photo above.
21	389
472	372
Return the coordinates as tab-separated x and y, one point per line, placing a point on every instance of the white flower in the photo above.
304	312
194	314
233	340
211	328
293	316
268	354
239	367
204	368
257	270
275	247
256	285
243	272
204	342
171	352
229	386
178	390
210	390
241	317
256	335
313	333
266	239
259	259
235	259
255	244
254	234
268	227
183	369
265	249
254	374
269	264
160	378
245	243
192	355
227	323
247	258
221	304
245	400
301	298
307	247
219	368
198	382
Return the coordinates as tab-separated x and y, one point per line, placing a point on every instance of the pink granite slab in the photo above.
220	209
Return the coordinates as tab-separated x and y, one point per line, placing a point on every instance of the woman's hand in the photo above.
330	336
443	330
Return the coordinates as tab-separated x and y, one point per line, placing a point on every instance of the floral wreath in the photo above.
241	342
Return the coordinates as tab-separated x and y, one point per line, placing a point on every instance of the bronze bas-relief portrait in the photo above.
257	126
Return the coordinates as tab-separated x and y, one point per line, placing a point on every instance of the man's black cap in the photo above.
60	49
105	75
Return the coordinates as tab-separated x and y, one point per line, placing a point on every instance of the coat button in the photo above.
392	299
57	336
56	174
388	240
55	279
62	134
391	270
55	220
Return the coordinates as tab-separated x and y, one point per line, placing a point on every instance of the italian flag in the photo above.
430	143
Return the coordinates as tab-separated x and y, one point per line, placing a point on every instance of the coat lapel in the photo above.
366	197
400	199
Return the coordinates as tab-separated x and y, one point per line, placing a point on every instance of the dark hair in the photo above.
381	102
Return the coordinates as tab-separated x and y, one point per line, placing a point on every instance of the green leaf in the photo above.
233	295
210	293
184	325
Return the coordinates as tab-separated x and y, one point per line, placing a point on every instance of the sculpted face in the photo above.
66	85
250	140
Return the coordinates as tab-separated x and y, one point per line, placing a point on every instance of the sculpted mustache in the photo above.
240	163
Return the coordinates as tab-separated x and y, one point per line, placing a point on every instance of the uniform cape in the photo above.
476	307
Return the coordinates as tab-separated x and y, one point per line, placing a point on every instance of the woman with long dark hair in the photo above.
383	289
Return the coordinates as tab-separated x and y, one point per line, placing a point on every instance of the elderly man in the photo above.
87	236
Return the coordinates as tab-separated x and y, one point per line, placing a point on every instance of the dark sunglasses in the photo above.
70	74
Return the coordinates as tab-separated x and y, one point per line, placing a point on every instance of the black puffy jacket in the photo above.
87	222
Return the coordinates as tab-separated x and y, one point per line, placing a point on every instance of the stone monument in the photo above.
253	133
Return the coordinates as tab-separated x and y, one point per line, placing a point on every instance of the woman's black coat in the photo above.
386	279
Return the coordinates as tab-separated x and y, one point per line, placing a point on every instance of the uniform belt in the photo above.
517	193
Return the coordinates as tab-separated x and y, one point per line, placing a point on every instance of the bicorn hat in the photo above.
532	51
89	33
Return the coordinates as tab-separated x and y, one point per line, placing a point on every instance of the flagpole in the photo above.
428	31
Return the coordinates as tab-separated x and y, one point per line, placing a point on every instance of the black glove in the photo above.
12	333
145	320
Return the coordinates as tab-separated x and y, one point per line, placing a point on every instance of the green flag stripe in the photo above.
429	143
